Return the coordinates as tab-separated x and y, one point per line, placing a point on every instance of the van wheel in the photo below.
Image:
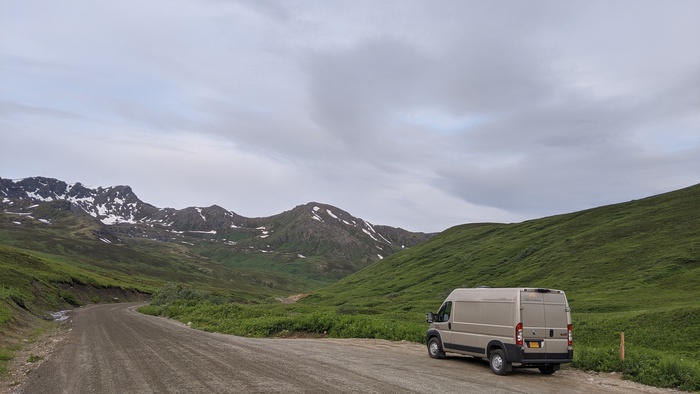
498	363
547	369
435	348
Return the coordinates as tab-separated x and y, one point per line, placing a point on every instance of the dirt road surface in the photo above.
114	349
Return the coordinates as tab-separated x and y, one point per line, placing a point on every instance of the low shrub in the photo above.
596	359
5	356
662	370
266	320
177	292
5	314
641	365
152	310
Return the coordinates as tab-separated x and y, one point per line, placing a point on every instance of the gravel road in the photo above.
114	349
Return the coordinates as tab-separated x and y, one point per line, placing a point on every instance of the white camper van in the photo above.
511	327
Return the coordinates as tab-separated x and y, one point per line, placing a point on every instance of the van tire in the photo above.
498	363
435	348
548	369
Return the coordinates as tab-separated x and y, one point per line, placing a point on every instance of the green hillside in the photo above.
642	254
632	267
69	262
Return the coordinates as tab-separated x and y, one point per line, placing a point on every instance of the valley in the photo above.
631	267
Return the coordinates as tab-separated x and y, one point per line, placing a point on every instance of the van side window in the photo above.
445	311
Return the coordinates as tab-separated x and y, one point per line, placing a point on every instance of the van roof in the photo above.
504	293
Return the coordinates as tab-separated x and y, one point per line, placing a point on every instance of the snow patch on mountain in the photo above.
331	214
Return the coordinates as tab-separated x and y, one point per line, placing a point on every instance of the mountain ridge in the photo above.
315	229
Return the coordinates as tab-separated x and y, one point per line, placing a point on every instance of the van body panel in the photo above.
484	319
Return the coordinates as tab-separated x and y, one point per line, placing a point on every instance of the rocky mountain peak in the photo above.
313	228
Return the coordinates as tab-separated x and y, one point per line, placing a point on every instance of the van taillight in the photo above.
519	334
571	336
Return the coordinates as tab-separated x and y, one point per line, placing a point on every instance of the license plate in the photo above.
534	344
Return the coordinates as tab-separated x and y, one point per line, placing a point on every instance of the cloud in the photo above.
401	112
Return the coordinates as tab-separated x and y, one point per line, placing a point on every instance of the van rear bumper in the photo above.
516	354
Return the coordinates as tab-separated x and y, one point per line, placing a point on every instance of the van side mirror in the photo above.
429	317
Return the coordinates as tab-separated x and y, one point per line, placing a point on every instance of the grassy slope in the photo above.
639	255
142	263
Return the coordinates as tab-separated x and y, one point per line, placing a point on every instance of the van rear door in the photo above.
545	319
556	316
534	323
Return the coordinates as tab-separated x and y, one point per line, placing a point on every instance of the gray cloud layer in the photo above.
409	113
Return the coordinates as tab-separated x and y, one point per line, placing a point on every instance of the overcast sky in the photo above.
414	114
